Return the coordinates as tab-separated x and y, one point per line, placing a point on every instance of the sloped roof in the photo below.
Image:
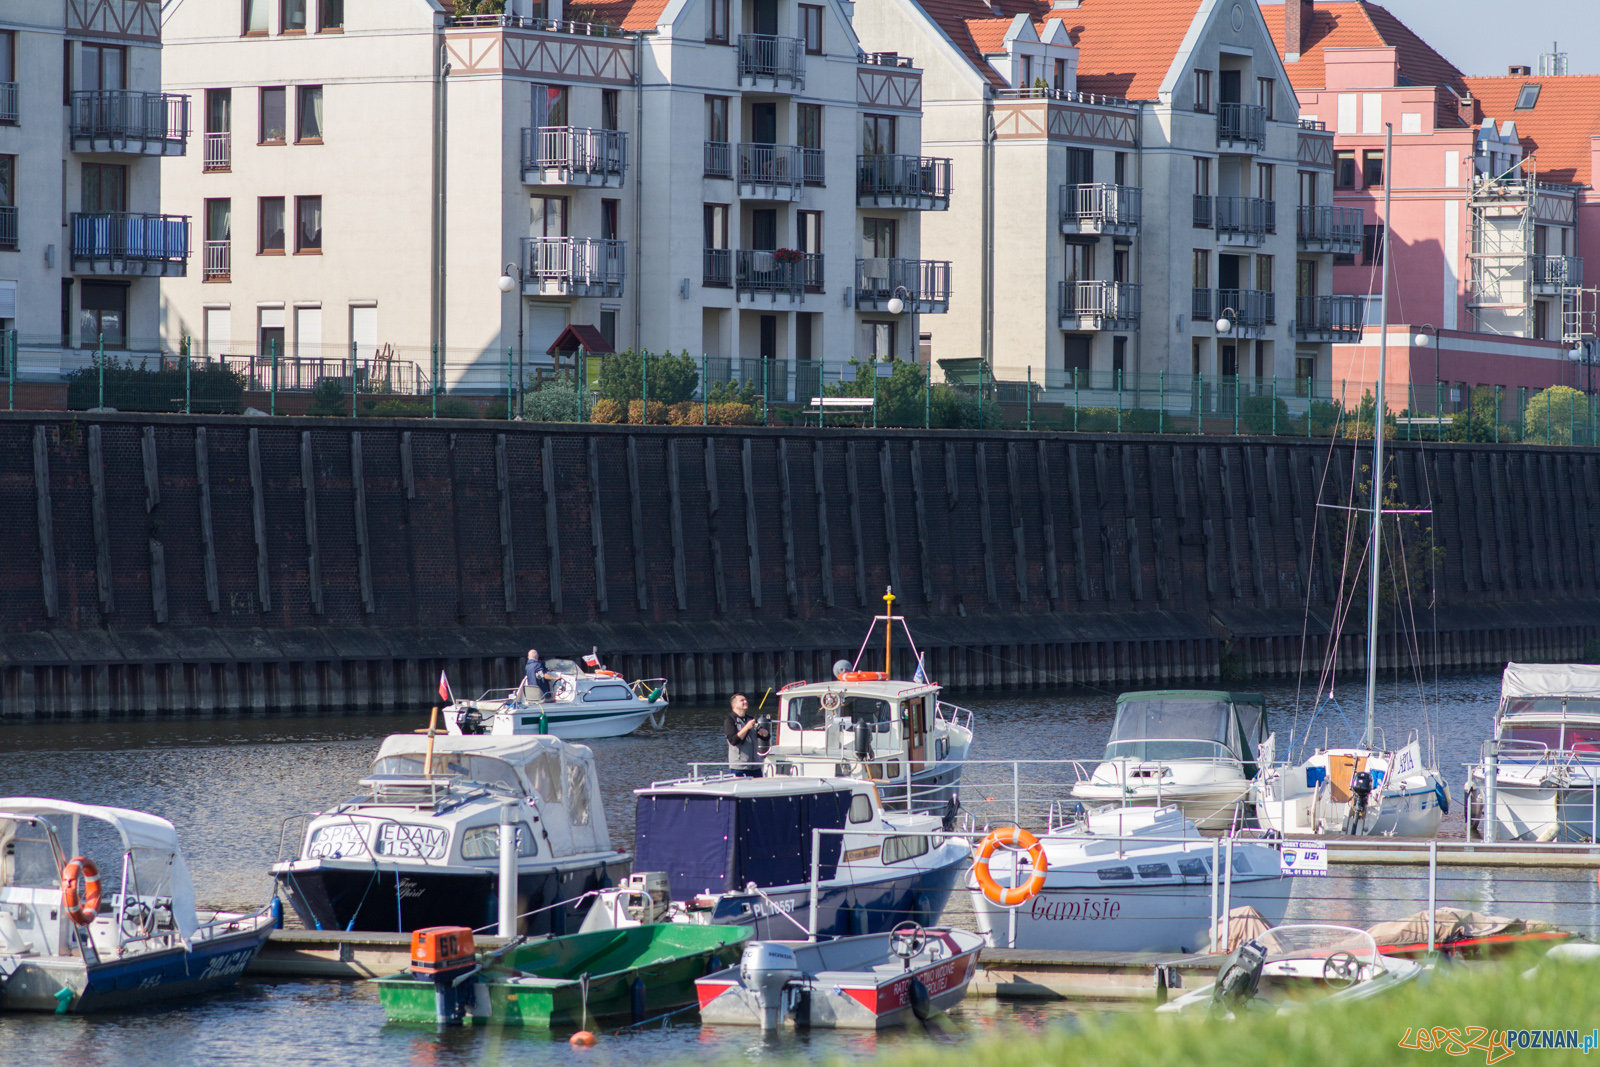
1557	128
627	14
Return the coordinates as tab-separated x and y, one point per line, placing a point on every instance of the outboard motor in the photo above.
447	956
1360	792
1240	976
765	969
470	721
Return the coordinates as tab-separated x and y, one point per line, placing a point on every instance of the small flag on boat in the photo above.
921	676
591	660
444	688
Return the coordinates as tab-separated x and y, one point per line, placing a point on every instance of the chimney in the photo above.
1518	70
1466	107
1296	25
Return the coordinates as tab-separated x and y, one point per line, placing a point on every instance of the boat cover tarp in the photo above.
1451	924
158	865
1549	679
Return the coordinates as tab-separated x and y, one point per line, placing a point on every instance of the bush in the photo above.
732	392
731	415
658	412
1264	415
608	411
672	378
552	403
328	399
1553	415
213	388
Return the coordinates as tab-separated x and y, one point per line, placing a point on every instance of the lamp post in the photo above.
511	280
1428	334
1226	319
897	305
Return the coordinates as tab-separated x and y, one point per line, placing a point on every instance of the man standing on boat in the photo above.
537	676
743	738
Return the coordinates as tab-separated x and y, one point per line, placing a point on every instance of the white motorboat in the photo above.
422	847
871	982
1195	748
1292	967
1134	879
582	705
1356	791
141	941
863	724
1538	778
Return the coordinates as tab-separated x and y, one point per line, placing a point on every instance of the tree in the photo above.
1479	420
672	379
1410	554
1553	415
904	399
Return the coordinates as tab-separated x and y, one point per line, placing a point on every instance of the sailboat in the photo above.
1364	789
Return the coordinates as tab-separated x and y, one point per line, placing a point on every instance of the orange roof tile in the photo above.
626	14
1557	127
988	34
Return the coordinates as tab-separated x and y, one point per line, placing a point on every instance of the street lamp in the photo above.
508	284
1427	334
1226	319
897	304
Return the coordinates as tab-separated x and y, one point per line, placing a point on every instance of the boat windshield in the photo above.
485	770
1317	941
1174	729
1554	707
810	714
1519	738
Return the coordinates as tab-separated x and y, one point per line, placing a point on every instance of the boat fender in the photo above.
82	914
921	1002
864	676
1442	791
1013	837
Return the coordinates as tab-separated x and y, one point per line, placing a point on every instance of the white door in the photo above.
219	332
542	324
308	333
364	331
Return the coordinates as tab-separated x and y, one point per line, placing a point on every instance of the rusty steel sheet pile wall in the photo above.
170	564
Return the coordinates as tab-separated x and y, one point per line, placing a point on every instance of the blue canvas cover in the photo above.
689	837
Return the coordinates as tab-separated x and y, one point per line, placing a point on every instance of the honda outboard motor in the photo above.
764	969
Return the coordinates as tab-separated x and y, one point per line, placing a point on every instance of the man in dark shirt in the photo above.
744	739
537	676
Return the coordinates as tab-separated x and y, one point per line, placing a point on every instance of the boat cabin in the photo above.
1549	708
881	727
1189	724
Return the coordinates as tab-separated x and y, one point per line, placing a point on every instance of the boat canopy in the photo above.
714	841
562	775
1549	680
1187	724
152	842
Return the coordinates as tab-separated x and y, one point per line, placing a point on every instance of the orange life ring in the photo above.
864	676
601	672
82	915
1014	837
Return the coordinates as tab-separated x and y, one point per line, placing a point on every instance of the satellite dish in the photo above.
839	668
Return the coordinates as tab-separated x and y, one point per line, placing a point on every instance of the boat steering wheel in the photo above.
907	941
1341	970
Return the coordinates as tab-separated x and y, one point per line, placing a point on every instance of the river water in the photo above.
228	783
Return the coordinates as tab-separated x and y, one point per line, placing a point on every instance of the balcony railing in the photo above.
275	372
1247	217
574	155
884	59
1250	309
219	151
777	58
918	182
1313	124
719	159
765	271
773	169
8	228
1202	212
923	284
573	266
1099	305
718	271
1557	271
118	243
119	120
1324	228
811	161
1242	124
525	22
1100	208
8	104
218	261
1338	317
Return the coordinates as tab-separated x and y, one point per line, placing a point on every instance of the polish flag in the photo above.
444	689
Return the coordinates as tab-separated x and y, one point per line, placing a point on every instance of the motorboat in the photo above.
1194	748
1134	879
582	704
1290	968
421	846
1463	934
1538	778
872	981
1356	791
864	724
66	950
738	850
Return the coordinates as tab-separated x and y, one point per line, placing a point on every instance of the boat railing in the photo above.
643	687
953	714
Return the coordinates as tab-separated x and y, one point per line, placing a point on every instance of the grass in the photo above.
1492	997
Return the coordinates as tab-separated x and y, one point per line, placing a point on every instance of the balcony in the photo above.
779	59
574	155
773	171
1328	319
8	229
775	272
528	22
812	166
1241	127
218	265
130	244
219	152
914	183
1322	228
718	269
9	115
572	266
719	159
1551	274
1244	220
1202	212
1099	305
121	121
1100	208
924	284
1250	310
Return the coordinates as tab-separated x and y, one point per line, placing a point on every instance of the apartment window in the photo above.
103	313
1058	78
1194	358
1202	90
219	235
1202	176
877	340
804	336
809	223
1026	80
274	115
1372	245
1264	93
1305	368
219	110
105	188
1344	170
1080	166
547	216
8	56
877	238
255	17
270	210
1305	277
808	121
1119	168
717	21
8	199
716	118
1119	263
1264	273
1119	357
308	225
610	108
764	229
1080	262
1308	188
608	325
610	219
811	28
1541	320
330	16
308	115
550	105
1372	167
103	68
1202	269
716	225
877	135
293	17
1265	185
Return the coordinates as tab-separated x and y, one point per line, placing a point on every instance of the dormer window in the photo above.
1202	90
1528	97
1027	73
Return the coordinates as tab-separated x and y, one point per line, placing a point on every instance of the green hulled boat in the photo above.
637	972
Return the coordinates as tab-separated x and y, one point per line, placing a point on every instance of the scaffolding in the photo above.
1509	269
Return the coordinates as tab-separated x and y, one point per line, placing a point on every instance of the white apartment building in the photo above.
1131	175
83	126
729	178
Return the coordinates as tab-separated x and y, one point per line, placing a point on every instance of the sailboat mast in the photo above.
1376	490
